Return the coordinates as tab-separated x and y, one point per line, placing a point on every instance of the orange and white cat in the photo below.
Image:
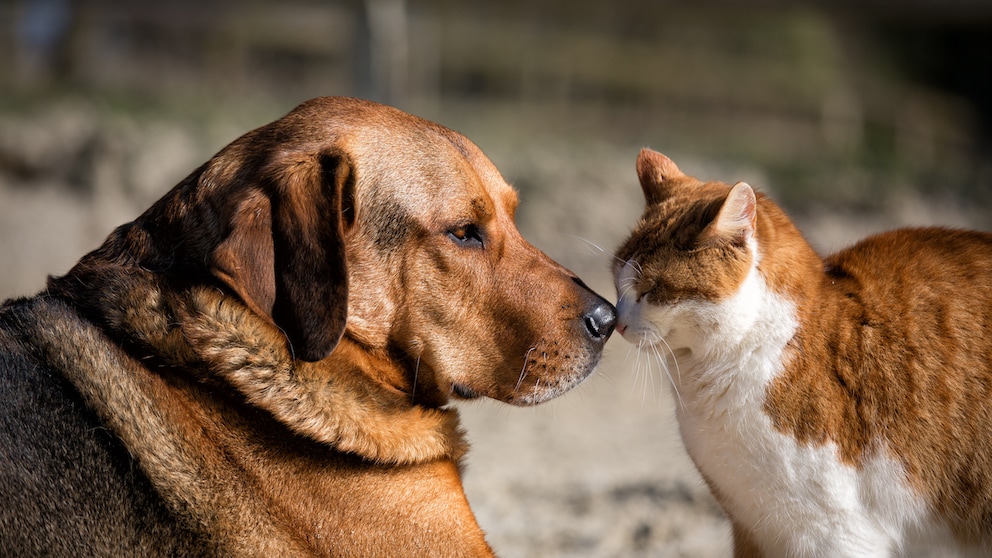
837	406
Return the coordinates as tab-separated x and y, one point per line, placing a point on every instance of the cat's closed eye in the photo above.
657	291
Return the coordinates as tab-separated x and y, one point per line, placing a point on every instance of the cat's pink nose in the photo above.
620	327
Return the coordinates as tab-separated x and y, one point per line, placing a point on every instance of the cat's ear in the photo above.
656	172
736	220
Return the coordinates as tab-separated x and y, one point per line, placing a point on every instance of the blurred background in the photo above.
855	116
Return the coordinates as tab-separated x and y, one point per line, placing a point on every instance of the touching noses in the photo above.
600	317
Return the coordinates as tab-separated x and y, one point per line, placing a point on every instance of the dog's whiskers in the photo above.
523	370
416	376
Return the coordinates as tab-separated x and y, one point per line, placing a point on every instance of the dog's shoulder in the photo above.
74	486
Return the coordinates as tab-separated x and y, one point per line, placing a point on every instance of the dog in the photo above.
261	363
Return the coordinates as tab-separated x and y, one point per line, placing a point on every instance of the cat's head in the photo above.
683	273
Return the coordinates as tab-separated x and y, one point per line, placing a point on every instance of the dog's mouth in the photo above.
548	371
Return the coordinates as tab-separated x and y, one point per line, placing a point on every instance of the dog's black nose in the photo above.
601	319
600	316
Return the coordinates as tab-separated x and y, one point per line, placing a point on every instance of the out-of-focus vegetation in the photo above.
854	106
839	104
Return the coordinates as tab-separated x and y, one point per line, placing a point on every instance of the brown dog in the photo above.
258	365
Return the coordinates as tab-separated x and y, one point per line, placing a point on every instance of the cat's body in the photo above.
837	407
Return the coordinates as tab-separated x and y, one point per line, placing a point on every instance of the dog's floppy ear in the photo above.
284	254
311	276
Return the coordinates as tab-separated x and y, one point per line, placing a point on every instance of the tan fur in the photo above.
276	339
211	452
331	400
893	352
895	347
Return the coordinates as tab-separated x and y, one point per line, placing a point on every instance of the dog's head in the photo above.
349	218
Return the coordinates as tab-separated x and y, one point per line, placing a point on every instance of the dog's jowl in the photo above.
259	365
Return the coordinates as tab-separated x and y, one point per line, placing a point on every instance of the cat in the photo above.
837	406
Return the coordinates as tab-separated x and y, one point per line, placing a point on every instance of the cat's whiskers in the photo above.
656	343
595	249
628	283
678	370
637	368
625	286
649	377
661	360
592	248
636	266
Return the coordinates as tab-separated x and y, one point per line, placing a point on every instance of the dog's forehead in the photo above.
431	170
488	181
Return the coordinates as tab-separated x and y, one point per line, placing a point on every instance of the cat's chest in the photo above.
731	438
768	479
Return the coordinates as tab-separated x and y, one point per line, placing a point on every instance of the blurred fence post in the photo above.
389	49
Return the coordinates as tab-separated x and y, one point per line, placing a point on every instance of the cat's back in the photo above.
916	268
917	299
910	334
918	255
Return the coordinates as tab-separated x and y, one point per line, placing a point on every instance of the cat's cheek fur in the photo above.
730	328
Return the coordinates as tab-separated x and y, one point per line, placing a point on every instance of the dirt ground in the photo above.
601	471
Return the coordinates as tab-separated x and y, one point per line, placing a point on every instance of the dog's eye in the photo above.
467	235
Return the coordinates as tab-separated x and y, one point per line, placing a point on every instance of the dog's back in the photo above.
76	490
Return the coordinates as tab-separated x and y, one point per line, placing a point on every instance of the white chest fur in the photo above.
795	499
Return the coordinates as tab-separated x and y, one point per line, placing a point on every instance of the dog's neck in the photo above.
256	486
214	338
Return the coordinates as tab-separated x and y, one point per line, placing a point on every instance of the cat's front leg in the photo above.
849	542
